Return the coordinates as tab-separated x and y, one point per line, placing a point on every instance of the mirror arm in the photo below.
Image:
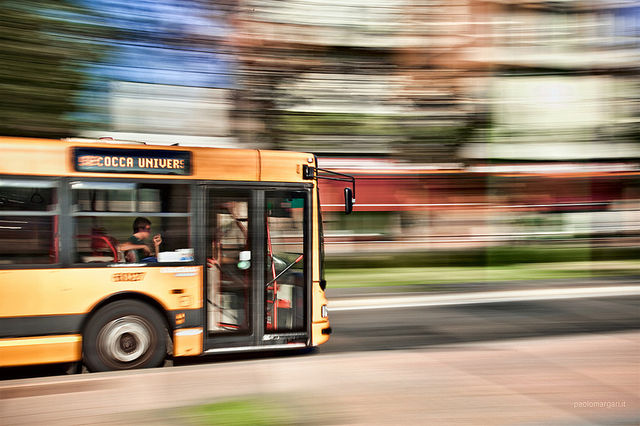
314	172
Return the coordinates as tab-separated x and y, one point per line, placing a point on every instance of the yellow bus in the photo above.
119	254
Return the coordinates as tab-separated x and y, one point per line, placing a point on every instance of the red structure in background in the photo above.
386	185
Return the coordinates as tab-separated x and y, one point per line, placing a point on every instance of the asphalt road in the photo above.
415	327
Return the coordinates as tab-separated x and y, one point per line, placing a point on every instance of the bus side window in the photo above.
105	212
28	222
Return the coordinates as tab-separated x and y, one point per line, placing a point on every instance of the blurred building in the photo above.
374	78
429	81
442	81
564	79
167	77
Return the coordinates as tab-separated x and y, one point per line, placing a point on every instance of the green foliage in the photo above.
361	223
430	133
336	124
239	413
370	124
42	47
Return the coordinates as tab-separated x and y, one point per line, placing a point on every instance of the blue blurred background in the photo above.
481	132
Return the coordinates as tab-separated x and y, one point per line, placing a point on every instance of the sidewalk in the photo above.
586	379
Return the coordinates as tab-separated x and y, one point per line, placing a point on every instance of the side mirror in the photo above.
348	200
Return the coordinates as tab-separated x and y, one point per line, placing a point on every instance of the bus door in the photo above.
287	259
230	291
258	255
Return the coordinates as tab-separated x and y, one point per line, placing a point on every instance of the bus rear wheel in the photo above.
124	335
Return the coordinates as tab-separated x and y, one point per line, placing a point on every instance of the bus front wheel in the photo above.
124	335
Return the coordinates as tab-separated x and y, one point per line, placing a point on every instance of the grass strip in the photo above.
257	412
372	277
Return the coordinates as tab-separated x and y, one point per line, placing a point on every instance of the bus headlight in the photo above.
324	311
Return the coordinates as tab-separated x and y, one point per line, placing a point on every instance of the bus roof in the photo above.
76	158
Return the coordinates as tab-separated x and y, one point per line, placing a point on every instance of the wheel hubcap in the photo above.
125	339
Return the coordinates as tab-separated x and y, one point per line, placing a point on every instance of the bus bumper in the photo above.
320	332
187	341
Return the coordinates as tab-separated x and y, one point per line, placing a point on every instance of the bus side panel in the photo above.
40	350
225	164
18	156
282	166
45	302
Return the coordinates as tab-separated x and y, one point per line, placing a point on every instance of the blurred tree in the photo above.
43	46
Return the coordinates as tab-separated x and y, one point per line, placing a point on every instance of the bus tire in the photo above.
124	335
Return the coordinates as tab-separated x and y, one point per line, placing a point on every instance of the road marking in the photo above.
393	302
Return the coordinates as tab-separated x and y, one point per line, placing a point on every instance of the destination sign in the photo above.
146	161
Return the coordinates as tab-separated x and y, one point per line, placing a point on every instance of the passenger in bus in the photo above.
135	249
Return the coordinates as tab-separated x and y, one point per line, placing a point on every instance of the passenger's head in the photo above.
141	224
